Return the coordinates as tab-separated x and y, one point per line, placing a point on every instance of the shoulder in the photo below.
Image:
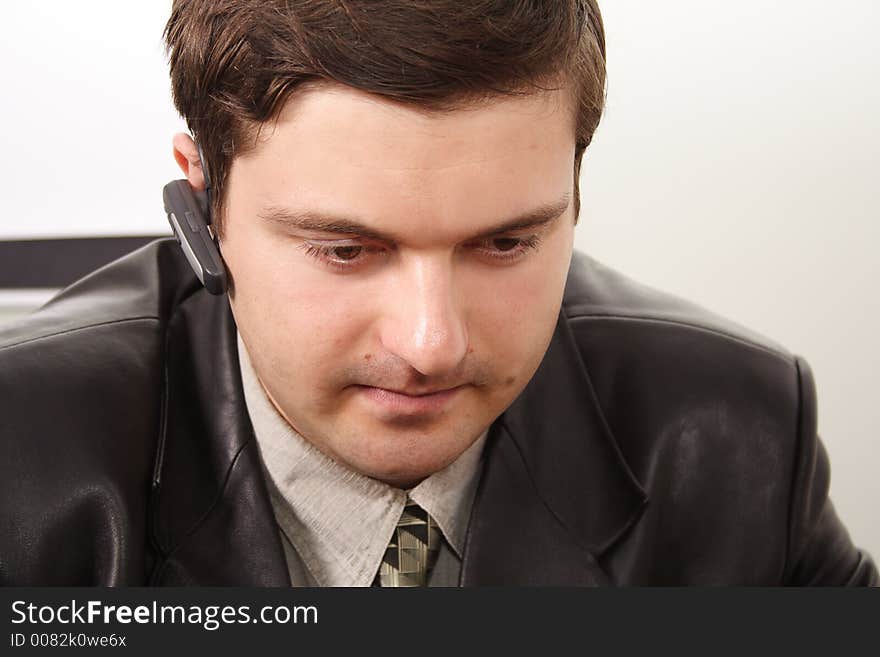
677	362
80	387
718	425
96	341
140	287
668	346
684	388
597	294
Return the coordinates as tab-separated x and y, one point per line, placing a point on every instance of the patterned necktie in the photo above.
412	551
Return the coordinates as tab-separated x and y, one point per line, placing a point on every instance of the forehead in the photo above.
343	151
365	125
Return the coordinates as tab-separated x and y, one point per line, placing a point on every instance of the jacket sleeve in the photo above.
820	552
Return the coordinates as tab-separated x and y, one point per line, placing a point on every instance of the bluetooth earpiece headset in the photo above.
189	213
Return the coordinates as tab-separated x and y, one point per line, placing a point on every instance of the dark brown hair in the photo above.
235	62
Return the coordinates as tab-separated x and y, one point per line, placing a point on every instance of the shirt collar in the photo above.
340	521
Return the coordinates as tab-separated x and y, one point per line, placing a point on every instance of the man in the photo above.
411	378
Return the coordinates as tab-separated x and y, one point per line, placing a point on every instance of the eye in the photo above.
340	255
505	243
345	253
507	249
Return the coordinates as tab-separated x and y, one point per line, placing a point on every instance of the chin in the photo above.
404	475
402	466
404	482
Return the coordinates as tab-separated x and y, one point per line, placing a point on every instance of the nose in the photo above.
423	322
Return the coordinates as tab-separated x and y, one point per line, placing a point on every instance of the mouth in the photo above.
410	402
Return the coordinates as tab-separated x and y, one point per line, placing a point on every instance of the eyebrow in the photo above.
324	223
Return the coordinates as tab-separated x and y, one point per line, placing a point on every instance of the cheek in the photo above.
299	323
517	312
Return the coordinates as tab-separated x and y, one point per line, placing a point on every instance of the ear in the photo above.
187	155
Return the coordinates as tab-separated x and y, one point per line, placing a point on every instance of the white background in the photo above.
738	165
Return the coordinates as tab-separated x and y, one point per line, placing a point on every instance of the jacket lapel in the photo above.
211	521
555	493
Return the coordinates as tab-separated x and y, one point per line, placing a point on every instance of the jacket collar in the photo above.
555	493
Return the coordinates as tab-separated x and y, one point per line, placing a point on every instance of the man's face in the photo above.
349	327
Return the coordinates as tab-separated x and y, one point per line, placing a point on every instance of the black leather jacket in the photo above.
656	444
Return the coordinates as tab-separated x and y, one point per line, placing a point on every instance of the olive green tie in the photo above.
412	551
